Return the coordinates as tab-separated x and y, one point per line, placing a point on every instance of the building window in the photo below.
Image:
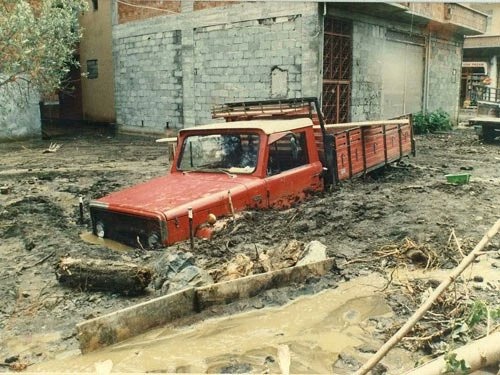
92	72
95	4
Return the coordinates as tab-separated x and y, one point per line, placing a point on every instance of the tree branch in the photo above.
428	303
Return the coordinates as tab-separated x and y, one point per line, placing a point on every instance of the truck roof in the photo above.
267	126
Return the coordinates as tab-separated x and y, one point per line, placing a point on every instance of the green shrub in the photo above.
431	122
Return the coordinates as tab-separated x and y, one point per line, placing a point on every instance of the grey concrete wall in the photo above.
175	68
19	112
148	79
440	88
366	88
445	66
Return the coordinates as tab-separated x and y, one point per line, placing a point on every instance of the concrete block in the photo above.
126	323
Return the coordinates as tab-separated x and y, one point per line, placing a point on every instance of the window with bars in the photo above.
92	69
337	70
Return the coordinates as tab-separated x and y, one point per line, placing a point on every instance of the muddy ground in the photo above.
369	225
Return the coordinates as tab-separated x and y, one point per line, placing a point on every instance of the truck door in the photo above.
290	175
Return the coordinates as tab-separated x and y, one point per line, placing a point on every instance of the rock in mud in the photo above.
170	264
237	368
417	256
11	359
314	251
190	276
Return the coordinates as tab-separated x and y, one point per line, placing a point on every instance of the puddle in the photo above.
91	238
482	268
315	328
27	343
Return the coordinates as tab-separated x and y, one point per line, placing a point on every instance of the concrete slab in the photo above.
134	320
131	321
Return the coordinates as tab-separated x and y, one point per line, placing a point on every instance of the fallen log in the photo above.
384	349
103	275
478	354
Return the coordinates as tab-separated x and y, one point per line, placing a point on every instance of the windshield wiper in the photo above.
210	170
224	170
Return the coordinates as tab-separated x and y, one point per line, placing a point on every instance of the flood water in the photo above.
91	238
315	328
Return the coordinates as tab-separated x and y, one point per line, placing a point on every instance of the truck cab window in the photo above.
234	153
287	152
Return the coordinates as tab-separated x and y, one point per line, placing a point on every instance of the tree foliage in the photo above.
37	42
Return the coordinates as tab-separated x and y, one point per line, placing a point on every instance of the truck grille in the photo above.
127	229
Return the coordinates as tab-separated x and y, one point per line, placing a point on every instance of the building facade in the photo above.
481	65
174	60
96	63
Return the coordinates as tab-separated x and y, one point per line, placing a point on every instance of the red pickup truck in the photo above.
266	154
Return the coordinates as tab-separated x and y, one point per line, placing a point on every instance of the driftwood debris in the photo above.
478	354
102	275
384	349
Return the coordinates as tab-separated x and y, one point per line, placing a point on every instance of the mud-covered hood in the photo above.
176	191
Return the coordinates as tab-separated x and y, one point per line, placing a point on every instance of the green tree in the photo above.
37	43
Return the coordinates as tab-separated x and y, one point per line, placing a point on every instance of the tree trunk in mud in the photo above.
478	354
100	275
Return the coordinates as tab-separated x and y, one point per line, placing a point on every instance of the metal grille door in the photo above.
337	63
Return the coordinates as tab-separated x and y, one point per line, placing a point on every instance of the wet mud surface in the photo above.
393	221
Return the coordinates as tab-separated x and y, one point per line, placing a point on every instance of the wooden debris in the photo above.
476	355
96	274
284	359
430	300
53	147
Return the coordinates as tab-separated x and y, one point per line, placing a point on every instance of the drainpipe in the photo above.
321	57
427	72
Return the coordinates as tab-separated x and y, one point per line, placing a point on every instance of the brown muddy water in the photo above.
91	238
315	328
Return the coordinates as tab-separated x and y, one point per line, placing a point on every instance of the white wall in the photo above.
19	112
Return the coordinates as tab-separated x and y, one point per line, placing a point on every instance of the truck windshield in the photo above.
233	153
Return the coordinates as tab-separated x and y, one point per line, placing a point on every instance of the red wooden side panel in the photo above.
374	146
392	145
365	148
406	142
343	168
356	151
318	139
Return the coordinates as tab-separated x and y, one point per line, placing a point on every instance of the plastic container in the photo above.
459	178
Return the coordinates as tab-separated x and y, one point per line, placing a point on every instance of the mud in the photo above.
316	330
359	221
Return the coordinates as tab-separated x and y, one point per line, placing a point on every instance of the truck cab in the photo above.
218	169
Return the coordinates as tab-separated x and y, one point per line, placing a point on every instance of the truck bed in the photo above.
358	147
367	146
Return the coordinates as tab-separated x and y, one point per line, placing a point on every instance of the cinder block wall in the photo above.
441	87
173	69
19	113
445	67
366	86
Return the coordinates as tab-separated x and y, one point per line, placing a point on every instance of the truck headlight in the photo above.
99	229
153	240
